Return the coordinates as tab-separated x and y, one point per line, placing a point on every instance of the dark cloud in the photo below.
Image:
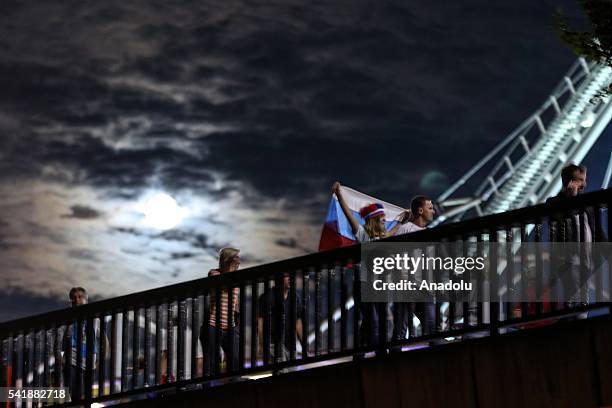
275	220
310	90
194	239
291	243
286	242
128	231
182	255
83	212
4	244
15	303
84	254
35	229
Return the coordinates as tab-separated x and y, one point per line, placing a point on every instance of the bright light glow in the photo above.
257	376
588	121
162	212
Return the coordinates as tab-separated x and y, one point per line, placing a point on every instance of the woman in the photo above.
229	261
373	214
373	229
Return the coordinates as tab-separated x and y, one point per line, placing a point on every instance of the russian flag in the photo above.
337	229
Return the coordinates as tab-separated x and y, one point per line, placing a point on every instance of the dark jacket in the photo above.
563	227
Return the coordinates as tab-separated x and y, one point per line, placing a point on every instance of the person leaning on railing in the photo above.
229	261
74	373
579	227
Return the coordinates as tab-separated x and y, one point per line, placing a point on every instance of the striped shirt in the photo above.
212	321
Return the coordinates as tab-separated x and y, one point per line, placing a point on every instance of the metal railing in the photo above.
137	345
519	170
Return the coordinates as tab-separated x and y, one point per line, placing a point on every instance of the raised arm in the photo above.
404	218
345	209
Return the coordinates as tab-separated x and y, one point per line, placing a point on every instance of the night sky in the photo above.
244	112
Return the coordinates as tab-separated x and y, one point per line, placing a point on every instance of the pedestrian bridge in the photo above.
147	345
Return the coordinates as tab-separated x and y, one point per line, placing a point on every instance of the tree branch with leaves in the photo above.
594	43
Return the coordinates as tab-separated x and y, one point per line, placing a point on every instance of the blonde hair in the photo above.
226	255
373	228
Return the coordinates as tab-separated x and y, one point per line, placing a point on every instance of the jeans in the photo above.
425	311
370	323
74	377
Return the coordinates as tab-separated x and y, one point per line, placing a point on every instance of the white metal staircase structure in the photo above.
524	168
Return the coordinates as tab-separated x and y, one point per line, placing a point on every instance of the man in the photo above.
280	333
577	227
421	215
574	181
74	374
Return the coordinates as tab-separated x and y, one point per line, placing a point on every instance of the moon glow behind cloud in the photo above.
162	212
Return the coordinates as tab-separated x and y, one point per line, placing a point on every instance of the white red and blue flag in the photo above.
337	229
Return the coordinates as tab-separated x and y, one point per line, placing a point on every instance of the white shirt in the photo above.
408	228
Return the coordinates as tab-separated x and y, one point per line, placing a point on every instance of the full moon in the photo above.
162	212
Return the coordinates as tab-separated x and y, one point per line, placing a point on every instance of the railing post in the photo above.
136	348
331	306
195	336
242	331
279	319
452	306
103	352
159	322
267	317
231	331
170	345
524	277
539	266
56	375
609	224
216	350
493	289
357	335
293	315
38	357
480	281
147	347
125	349
343	313
306	308
9	377
468	277
29	358
181	350
599	282
509	304
254	321
48	352
317	311
90	365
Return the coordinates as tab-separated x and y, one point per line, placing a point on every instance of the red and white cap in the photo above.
372	210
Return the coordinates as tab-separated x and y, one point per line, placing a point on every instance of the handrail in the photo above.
575	73
575	79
